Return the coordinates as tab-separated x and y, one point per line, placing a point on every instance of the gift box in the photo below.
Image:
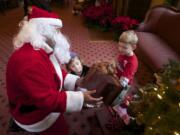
101	78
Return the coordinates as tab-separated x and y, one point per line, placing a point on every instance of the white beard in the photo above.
62	55
37	35
61	48
59	43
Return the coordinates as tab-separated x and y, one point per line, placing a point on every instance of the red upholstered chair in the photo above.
159	38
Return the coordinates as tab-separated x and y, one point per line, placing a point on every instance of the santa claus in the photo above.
36	83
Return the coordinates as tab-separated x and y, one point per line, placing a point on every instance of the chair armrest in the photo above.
141	27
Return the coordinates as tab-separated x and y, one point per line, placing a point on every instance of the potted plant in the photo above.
123	23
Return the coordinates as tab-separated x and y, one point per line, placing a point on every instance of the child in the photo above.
126	66
75	66
127	62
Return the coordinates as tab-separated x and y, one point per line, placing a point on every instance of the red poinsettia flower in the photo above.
122	23
101	15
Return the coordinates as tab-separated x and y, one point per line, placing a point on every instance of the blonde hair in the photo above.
129	37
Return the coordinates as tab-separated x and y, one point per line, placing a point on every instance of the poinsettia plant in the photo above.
123	23
100	16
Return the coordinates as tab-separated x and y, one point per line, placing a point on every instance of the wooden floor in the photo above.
90	49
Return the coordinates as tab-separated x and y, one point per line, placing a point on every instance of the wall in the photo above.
157	2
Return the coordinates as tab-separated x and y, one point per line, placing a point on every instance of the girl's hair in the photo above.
71	60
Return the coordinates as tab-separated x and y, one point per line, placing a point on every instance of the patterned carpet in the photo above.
89	48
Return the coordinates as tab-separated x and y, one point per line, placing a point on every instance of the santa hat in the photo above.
38	15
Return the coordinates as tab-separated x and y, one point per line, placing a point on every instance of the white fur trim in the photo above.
41	125
57	68
51	21
75	101
70	81
124	81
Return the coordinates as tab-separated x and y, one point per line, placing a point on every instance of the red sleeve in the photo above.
37	83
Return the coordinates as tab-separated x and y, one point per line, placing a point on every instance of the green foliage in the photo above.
159	106
170	2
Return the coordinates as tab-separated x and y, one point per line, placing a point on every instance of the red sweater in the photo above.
32	85
127	66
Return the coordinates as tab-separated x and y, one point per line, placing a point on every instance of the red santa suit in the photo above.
127	67
35	87
34	90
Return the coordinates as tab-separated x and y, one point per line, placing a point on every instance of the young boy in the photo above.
127	62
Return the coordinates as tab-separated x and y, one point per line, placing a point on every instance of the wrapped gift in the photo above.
110	122
102	78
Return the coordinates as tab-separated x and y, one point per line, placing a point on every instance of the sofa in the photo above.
159	37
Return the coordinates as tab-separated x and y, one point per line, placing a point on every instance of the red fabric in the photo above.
60	127
40	13
154	50
32	81
129	65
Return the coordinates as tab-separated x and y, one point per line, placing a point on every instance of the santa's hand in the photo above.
89	99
